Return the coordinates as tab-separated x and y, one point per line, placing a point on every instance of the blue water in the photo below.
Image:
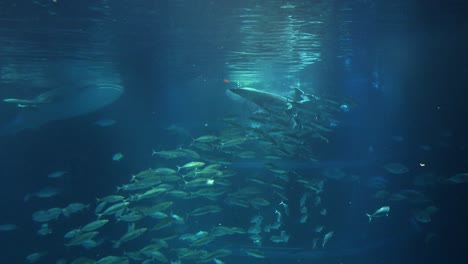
399	65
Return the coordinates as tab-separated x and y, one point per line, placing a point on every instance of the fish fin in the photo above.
120	188
133	179
298	94
370	217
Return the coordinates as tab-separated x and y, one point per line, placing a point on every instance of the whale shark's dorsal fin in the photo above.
298	95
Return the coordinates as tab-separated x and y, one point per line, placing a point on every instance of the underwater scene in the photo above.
233	132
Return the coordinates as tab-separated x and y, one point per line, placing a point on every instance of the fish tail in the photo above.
65	213
116	244
370	217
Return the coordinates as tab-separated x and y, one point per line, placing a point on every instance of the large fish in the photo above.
275	103
268	101
300	109
73	102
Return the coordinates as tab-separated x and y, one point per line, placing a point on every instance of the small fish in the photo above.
44	230
112	259
130	235
318	229
132	217
56	174
424	215
326	238
74	208
35	257
61	261
105	122
8	227
21	103
254	253
207	209
111	198
72	233
217	261
118	207
205	139
283	238
117	156
169	154
94	225
202	241
314	243
382	211
458	178
165	222
81	238
396	168
47	215
191	165
46	192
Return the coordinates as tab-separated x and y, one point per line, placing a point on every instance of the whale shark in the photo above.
65	104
